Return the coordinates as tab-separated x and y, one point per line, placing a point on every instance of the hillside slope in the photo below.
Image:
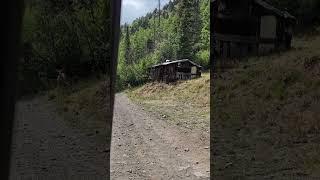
267	116
185	103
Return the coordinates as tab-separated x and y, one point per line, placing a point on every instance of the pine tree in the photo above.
197	26
159	15
159	24
189	28
127	55
170	6
205	21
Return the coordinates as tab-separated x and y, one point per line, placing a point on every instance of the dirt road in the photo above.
146	147
46	147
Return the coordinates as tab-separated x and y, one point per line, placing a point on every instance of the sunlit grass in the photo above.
185	103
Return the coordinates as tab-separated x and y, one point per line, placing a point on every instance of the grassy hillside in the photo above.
272	100
184	103
283	87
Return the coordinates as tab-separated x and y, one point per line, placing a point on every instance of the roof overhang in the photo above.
176	61
269	7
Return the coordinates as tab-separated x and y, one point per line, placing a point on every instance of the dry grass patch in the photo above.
273	87
83	105
184	103
276	96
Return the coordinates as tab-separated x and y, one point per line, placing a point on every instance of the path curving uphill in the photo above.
146	147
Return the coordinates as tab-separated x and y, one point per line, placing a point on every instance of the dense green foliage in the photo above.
183	32
72	35
189	29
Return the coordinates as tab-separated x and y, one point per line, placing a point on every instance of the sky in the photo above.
133	9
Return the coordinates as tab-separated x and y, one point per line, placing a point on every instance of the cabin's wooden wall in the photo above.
171	72
248	30
268	27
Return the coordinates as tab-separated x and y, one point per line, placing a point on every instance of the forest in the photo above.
180	30
74	35
63	34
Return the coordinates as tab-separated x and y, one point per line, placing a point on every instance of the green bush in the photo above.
57	34
203	58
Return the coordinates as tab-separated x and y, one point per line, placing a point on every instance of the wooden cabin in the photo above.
170	71
250	27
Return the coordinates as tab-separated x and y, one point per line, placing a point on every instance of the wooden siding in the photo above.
174	71
250	27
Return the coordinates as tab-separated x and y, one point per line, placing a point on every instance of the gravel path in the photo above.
45	147
143	146
146	147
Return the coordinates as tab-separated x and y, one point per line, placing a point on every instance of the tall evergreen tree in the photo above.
197	26
205	20
189	28
127	55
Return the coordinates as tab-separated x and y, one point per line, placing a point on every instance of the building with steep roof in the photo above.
170	71
248	27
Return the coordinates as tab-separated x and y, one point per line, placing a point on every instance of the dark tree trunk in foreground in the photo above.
14	11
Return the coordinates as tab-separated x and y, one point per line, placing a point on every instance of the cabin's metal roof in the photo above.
177	61
269	7
284	14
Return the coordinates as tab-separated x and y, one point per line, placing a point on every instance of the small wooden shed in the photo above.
248	27
170	71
